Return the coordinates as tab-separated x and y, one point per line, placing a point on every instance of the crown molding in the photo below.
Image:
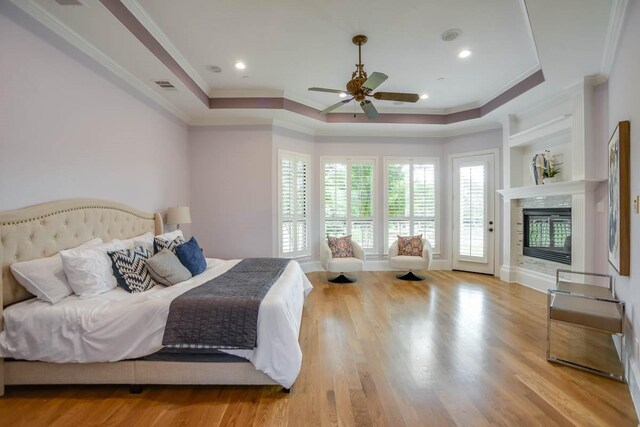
614	29
433	132
36	11
505	87
141	15
283	124
247	93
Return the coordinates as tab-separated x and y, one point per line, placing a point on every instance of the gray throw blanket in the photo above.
223	312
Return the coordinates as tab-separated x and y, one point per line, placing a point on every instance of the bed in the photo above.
44	230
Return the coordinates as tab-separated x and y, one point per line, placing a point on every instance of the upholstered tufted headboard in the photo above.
46	229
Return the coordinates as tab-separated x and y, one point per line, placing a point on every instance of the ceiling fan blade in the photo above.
369	109
336	105
374	80
322	89
396	96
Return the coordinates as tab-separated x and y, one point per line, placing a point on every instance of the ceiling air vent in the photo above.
451	34
165	84
69	2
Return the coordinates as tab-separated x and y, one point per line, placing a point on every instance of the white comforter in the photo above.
118	325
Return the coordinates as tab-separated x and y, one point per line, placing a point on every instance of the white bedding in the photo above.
118	325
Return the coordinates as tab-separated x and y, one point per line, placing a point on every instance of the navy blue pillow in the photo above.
190	255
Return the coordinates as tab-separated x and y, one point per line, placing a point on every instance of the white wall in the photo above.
69	129
624	104
231	190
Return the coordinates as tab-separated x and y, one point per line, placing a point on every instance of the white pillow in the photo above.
145	240
44	277
89	270
171	236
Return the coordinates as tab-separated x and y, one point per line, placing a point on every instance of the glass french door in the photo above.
473	213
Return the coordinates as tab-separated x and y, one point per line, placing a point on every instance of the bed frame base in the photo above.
134	373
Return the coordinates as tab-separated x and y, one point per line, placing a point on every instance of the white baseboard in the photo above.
529	278
374	265
310	266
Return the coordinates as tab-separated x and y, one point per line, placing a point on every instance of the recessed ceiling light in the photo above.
424	96
464	53
240	65
342	95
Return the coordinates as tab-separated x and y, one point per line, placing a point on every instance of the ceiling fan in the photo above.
360	87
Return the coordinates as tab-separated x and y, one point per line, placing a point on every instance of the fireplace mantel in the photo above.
565	188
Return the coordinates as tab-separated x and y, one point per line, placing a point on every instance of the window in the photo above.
293	203
348	202
411	195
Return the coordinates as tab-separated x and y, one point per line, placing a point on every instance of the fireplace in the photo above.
547	234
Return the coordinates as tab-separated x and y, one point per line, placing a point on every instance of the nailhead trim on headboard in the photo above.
71	210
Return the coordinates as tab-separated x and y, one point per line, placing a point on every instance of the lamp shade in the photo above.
178	215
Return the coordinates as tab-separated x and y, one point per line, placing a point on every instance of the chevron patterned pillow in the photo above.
130	269
160	244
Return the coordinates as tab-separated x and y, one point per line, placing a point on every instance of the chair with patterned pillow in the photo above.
341	255
410	253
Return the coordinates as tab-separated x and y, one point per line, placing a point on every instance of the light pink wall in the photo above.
68	128
231	190
248	155
624	104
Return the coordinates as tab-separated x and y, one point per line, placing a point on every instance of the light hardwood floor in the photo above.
456	349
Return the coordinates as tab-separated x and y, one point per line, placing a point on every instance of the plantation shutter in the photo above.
293	204
410	189
472	211
362	204
398	201
424	201
348	200
335	199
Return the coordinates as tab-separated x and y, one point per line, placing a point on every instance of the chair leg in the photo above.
410	277
342	279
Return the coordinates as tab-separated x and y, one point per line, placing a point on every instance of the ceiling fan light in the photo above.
342	95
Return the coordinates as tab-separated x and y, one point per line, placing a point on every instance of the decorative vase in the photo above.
538	165
550	180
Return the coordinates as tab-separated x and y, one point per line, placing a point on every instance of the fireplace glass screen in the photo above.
547	234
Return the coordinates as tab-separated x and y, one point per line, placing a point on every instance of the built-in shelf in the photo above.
556	189
550	133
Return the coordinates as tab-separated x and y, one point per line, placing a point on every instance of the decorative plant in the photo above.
550	169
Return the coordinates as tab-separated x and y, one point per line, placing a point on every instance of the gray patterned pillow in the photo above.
159	244
130	268
166	268
340	246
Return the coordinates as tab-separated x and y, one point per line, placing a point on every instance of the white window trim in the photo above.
306	157
419	160
374	192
